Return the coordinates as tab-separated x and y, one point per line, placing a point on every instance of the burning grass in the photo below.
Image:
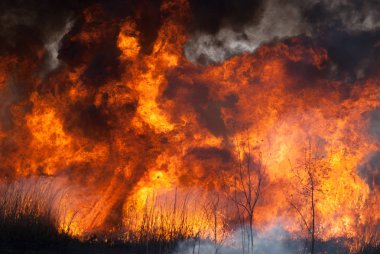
28	218
31	215
37	213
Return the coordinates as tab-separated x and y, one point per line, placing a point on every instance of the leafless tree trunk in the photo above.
248	187
213	212
308	186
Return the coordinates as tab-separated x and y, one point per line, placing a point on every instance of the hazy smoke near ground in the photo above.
273	241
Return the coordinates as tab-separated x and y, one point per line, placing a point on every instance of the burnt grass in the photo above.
37	240
32	234
35	234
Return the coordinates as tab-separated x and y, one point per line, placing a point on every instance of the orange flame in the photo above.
167	124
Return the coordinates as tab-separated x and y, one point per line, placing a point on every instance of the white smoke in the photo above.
279	20
270	241
52	45
51	32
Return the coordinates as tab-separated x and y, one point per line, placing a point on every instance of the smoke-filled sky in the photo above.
217	30
122	97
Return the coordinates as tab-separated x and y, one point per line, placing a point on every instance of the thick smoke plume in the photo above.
277	20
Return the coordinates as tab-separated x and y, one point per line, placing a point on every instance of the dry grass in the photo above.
28	219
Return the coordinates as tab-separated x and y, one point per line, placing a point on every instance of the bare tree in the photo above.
308	186
248	183
213	211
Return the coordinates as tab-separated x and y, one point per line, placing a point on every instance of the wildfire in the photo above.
133	143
